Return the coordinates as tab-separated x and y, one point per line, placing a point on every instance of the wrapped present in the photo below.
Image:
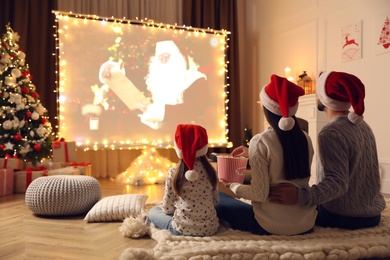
85	168
9	162
50	165
47	164
64	151
22	179
69	170
6	182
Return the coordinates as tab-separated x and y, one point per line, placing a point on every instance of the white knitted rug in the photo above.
323	243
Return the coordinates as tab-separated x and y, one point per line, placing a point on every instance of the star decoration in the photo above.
9	146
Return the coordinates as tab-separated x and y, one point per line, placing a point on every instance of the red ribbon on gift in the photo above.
57	144
29	174
75	164
6	160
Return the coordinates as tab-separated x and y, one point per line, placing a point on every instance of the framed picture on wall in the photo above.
382	32
351	42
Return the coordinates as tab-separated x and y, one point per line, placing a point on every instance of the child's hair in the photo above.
179	179
295	148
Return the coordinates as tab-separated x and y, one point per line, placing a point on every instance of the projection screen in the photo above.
129	83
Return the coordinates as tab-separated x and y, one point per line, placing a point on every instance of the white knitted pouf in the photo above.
63	195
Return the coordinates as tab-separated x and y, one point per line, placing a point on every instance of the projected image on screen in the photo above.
131	84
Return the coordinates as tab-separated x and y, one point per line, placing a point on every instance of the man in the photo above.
348	191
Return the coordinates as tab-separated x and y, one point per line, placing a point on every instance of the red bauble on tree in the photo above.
25	90
37	147
17	138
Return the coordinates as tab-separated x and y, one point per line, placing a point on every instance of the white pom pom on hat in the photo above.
191	141
280	97
340	90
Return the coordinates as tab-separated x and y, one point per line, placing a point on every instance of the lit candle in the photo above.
287	72
290	78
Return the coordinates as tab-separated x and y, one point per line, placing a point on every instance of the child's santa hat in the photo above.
280	97
340	90
191	141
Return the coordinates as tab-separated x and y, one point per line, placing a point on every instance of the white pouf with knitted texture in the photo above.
63	195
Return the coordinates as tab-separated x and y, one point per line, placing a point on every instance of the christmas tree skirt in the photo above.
323	243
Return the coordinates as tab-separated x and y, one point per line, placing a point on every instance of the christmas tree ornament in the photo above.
37	147
17	138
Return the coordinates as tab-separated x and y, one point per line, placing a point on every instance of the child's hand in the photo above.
240	151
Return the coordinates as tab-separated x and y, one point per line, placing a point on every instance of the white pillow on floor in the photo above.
117	208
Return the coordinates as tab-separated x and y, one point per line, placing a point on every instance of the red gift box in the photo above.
9	162
64	151
22	179
6	182
85	168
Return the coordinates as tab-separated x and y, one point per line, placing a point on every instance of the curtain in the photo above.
218	15
33	21
167	11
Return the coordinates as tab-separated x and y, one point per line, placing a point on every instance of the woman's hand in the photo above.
240	151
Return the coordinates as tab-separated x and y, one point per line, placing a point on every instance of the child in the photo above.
190	192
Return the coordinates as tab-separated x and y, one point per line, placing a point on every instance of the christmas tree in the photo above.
25	131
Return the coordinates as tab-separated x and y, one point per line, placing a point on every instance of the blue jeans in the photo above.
162	220
238	214
328	219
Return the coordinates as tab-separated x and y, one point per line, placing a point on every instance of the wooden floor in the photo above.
24	235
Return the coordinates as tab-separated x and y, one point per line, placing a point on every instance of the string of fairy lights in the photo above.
61	81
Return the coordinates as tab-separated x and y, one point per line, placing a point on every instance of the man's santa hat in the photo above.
280	97
340	90
191	141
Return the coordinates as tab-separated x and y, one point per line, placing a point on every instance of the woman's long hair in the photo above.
295	148
179	178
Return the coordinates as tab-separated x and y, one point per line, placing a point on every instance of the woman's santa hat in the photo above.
340	90
280	97
191	141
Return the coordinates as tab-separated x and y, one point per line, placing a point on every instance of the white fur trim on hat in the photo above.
273	106
191	175
199	153
325	99
286	123
355	118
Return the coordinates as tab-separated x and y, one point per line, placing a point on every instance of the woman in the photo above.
282	153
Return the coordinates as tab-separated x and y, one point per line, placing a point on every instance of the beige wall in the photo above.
306	35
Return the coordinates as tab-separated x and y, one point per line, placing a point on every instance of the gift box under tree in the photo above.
64	151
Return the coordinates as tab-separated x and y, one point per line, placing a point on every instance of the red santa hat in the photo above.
191	141
280	97
340	90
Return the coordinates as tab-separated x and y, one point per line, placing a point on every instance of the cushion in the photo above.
62	195
117	208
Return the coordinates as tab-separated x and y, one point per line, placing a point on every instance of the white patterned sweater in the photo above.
194	211
266	161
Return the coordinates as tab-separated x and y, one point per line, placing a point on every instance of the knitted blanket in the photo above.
323	243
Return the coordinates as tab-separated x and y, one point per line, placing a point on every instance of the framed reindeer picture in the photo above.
351	42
